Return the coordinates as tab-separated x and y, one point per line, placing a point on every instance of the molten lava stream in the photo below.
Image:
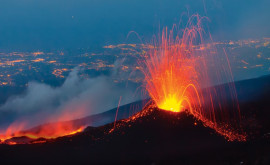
47	131
59	124
177	69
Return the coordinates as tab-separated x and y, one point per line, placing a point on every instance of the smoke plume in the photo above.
76	98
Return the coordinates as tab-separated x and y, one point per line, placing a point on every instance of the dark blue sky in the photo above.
56	24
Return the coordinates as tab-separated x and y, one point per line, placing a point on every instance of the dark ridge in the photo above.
251	93
154	136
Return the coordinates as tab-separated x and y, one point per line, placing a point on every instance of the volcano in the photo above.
155	136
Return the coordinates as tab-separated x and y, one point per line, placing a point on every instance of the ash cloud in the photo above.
74	99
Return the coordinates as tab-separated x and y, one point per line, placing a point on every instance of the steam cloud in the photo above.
75	98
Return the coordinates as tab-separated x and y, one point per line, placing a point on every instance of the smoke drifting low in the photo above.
74	99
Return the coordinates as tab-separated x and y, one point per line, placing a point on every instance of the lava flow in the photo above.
48	131
17	132
177	77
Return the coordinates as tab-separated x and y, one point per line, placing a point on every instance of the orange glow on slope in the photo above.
62	127
176	74
47	132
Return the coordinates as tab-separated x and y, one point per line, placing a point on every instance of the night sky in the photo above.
62	24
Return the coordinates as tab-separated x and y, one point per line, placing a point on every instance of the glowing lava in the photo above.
62	127
171	103
177	77
170	72
48	131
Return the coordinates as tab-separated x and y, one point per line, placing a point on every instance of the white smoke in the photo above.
79	97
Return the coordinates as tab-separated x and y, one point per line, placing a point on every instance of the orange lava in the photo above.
49	131
170	71
63	126
176	74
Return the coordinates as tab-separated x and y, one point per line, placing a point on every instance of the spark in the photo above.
176	70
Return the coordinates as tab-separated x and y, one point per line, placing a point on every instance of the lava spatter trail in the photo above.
179	70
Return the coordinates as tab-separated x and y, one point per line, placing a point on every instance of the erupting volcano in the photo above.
177	77
179	71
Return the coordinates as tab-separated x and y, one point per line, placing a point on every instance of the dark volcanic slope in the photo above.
153	136
100	119
252	95
124	111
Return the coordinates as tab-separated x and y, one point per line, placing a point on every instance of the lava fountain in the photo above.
171	74
177	77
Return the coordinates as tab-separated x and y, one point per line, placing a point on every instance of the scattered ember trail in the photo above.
177	77
116	113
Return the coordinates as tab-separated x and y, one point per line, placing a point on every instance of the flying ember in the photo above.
170	71
179	70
